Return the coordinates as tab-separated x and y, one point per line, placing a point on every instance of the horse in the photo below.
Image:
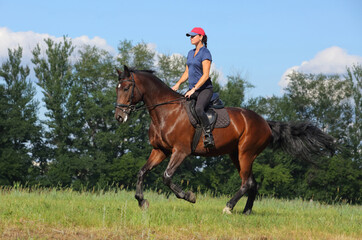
171	134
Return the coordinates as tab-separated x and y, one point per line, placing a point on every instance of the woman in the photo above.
200	86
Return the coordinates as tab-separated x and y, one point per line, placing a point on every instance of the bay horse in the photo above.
171	134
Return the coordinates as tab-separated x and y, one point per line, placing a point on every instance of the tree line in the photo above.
79	144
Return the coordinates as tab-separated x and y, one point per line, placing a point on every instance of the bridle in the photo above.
128	108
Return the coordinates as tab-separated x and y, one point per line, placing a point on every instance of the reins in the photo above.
156	105
134	108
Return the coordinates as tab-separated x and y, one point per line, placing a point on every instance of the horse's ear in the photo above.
119	72
126	71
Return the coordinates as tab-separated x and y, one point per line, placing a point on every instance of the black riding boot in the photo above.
209	139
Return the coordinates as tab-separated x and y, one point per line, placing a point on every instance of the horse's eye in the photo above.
126	89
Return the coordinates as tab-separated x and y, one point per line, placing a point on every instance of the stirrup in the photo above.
209	141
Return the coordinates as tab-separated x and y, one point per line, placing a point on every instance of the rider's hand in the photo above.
175	88
190	92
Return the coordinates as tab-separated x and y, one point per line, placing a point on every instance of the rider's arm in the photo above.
183	78
206	64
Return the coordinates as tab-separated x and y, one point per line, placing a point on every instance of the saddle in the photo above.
216	113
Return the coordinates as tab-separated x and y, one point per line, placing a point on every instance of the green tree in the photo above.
170	68
97	136
55	76
138	56
233	93
354	129
338	179
19	125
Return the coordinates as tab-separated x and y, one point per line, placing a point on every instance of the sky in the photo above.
261	40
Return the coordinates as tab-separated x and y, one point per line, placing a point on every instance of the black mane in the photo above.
133	70
139	71
152	72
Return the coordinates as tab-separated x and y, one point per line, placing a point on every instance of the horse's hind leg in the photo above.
251	192
251	197
248	183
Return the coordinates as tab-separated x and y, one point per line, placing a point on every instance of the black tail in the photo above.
301	140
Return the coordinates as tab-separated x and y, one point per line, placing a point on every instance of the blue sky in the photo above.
261	40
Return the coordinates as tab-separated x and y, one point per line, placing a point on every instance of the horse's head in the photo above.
127	97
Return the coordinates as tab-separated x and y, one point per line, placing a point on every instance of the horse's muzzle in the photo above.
121	116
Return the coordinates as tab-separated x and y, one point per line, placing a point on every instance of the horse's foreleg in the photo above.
175	161
156	157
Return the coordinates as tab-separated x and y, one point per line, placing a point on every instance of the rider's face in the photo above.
195	39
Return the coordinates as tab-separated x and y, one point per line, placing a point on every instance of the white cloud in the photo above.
96	41
152	47
28	40
11	40
333	60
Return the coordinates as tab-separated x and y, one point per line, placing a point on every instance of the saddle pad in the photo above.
223	119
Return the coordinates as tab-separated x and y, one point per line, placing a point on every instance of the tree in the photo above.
170	68
233	94
55	76
19	124
97	136
137	56
354	129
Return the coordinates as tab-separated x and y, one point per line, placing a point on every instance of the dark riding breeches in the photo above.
203	98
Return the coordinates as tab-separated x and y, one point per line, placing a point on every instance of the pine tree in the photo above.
19	125
54	72
96	136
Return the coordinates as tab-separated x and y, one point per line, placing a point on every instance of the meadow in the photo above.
66	214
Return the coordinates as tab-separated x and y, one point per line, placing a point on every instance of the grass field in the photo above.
66	214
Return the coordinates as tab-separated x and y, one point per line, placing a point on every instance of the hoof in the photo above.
190	196
226	210
247	212
144	204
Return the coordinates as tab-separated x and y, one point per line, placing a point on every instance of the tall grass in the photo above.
35	213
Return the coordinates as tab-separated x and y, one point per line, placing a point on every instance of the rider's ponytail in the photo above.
204	40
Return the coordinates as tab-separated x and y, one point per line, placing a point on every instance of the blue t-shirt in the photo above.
195	67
